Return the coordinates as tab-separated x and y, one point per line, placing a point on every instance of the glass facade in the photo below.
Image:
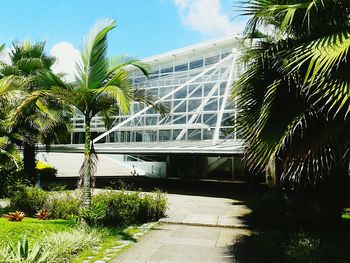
195	83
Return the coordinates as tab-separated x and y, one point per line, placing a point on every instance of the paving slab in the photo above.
197	229
202	210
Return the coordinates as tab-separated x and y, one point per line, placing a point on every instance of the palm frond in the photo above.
118	87
94	65
144	97
117	63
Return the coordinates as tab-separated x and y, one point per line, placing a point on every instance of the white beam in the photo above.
226	95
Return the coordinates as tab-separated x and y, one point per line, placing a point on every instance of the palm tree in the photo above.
9	87
294	96
37	121
102	87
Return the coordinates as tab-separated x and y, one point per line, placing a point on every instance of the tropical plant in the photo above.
22	253
294	96
9	89
102	87
42	215
38	121
54	248
15	216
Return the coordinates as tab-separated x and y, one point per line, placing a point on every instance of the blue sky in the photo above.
145	27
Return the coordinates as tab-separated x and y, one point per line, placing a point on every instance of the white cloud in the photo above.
207	17
67	57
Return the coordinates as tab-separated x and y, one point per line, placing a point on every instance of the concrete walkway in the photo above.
197	229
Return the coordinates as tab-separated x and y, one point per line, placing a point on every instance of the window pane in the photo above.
182	67
207	88
167	70
194	134
224	55
179	119
164	91
150	136
164	135
211	60
209	119
222	88
196	64
212	105
182	93
193	104
151	120
175	133
181	106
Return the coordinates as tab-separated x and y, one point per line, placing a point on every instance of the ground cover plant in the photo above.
50	247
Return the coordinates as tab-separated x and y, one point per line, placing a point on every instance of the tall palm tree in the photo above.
294	96
37	121
102	87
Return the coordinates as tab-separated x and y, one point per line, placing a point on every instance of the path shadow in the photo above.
287	234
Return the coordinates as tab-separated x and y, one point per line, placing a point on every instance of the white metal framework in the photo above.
195	84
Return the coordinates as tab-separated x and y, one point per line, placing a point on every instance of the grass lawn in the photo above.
12	231
346	215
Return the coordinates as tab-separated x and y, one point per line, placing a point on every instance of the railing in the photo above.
173	81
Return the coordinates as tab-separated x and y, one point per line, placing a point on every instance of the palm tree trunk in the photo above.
87	168
29	161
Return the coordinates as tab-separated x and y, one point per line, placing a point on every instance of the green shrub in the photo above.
95	215
28	199
63	205
152	207
108	207
125	208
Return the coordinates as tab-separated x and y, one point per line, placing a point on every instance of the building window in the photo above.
194	104
194	134
212	60
180	106
164	135
196	64
182	67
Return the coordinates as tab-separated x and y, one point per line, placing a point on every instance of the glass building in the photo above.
196	139
194	83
